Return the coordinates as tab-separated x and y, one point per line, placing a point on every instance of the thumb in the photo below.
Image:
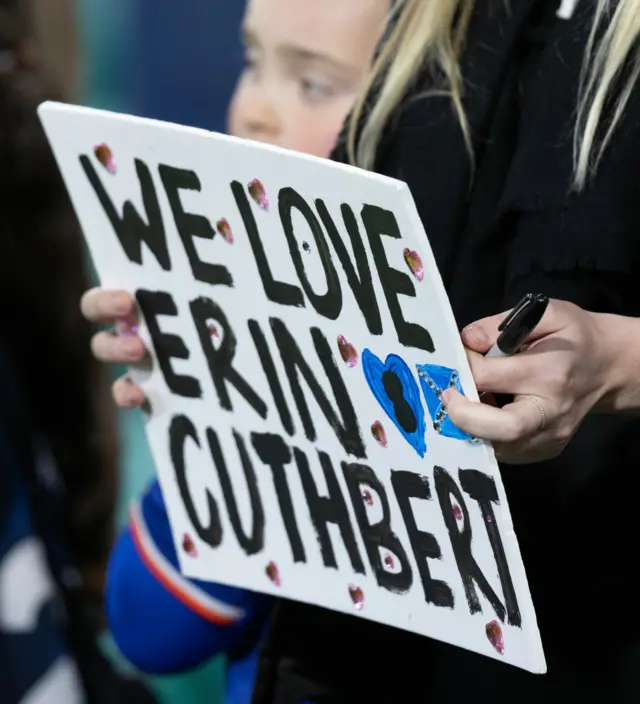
481	335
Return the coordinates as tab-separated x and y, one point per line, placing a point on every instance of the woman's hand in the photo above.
123	346
563	374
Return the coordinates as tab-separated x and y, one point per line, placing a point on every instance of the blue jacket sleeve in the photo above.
162	621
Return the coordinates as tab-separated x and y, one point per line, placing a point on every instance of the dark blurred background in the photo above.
70	461
175	61
162	59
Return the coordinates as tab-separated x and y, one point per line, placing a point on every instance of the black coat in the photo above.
510	227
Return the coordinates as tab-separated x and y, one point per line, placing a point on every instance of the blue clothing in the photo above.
241	675
166	623
35	661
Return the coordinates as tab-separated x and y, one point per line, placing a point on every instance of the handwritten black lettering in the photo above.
220	361
461	538
167	345
360	281
180	430
379	222
407	486
328	509
380	535
252	542
276	454
190	225
346	430
131	229
276	291
328	304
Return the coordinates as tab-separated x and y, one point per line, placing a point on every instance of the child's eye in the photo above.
250	61
315	92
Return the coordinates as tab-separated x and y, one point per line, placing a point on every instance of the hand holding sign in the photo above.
122	347
564	367
300	341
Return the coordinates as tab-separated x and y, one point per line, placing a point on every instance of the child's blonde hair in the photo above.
433	33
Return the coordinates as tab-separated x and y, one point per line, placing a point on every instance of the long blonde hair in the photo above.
431	33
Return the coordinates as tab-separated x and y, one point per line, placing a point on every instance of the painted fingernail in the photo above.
126	326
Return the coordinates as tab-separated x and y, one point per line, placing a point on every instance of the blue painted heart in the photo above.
434	379
396	390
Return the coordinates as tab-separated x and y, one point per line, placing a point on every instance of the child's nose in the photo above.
261	120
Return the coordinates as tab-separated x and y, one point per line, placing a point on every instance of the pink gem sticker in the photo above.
357	596
189	546
494	634
105	156
347	351
414	262
258	193
273	573
377	430
224	230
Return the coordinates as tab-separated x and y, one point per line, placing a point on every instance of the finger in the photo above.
504	375
126	394
101	306
558	315
481	335
128	325
110	348
512	423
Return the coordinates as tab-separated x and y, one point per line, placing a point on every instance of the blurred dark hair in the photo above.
42	277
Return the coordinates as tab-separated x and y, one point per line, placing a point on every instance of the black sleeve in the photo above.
583	247
600	292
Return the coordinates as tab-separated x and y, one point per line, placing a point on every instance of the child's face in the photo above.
305	60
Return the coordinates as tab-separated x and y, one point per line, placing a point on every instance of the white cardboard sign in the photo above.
301	337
